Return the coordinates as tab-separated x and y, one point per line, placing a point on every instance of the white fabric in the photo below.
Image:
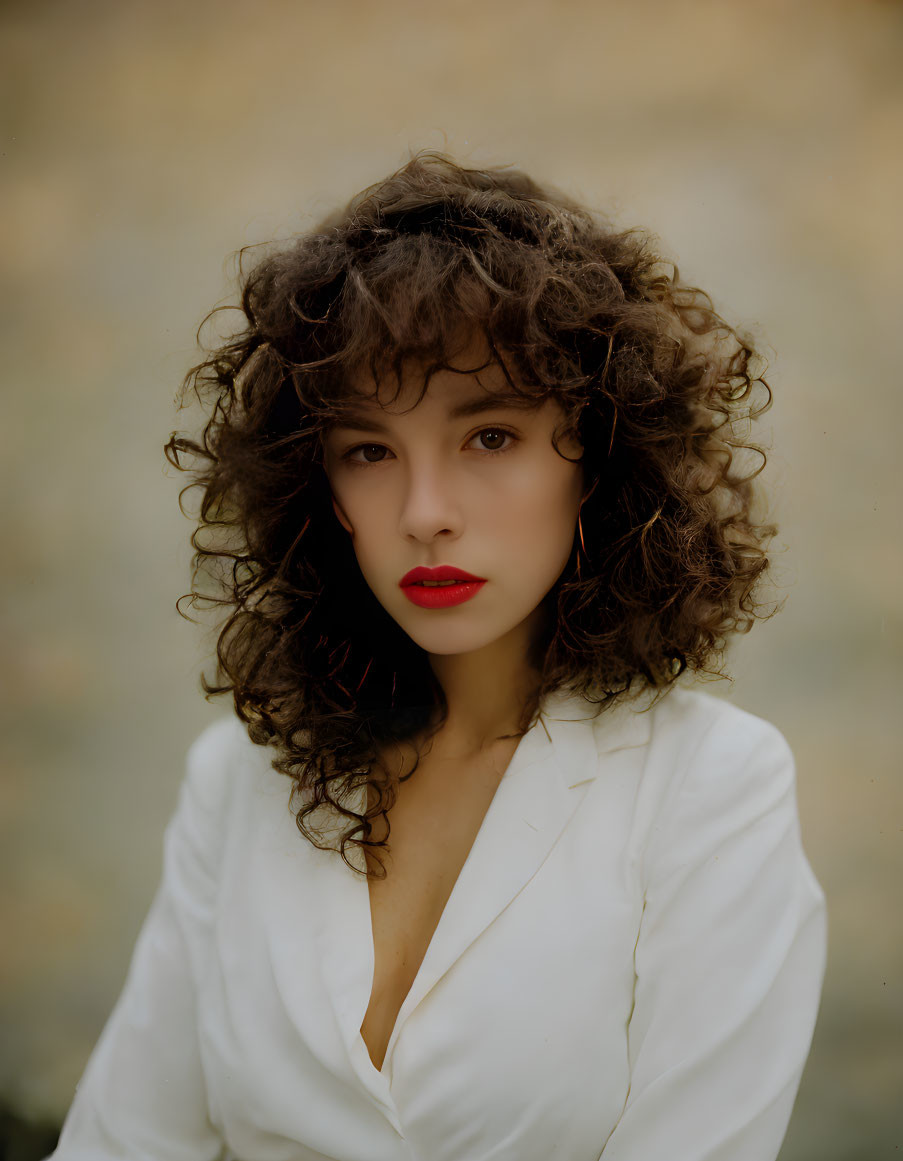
628	967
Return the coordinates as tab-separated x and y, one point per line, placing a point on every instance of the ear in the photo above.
342	518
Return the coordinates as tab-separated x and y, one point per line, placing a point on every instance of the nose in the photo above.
430	506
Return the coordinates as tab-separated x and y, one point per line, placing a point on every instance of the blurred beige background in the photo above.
145	142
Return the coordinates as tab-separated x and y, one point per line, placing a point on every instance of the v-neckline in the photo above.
403	1008
532	804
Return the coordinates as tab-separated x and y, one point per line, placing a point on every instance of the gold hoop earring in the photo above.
580	531
586	496
581	541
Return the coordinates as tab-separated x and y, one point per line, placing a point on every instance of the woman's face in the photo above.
461	481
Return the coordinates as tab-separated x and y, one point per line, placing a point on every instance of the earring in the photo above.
586	496
582	545
580	531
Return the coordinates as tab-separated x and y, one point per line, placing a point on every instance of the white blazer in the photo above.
628	967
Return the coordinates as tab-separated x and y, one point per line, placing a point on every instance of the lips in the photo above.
443	572
459	586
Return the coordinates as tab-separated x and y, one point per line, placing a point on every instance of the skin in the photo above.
431	490
487	493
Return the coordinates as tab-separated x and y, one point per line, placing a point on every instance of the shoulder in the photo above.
714	773
689	732
682	718
222	766
224	772
710	770
699	719
705	738
217	747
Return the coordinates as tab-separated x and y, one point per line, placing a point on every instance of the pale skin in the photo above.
486	492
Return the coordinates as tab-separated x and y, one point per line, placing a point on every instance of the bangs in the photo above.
413	269
424	304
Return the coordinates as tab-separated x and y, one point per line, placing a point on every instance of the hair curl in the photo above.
658	388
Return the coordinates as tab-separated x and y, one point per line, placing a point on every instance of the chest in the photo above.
512	1034
512	1039
432	828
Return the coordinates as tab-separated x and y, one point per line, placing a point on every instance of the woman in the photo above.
475	497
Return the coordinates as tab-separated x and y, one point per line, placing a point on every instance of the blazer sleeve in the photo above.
143	1095
729	960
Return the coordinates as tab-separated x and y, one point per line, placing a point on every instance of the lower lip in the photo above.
442	596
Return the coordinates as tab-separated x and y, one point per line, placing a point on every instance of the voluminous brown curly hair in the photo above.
658	388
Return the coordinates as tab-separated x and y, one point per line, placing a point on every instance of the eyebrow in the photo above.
362	421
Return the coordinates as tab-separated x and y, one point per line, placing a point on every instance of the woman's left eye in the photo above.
495	434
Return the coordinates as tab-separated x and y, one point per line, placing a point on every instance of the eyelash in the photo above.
347	456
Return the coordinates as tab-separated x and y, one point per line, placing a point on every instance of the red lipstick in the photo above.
463	585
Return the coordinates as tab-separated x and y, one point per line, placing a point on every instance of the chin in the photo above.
448	640
449	643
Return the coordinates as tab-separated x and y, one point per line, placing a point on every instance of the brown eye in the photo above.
352	455
493	438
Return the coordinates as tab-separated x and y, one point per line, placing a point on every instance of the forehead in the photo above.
461	388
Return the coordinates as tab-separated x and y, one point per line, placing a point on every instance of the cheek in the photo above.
556	493
368	530
342	516
542	514
357	507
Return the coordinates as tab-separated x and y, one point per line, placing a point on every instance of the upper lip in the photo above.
442	572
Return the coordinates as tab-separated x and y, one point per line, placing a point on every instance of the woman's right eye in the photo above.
350	456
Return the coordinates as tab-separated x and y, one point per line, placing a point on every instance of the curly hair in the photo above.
667	554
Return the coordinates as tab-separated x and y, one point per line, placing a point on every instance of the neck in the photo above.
487	690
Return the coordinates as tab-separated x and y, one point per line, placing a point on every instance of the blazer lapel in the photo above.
545	782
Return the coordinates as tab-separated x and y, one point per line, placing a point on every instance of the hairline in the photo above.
487	401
